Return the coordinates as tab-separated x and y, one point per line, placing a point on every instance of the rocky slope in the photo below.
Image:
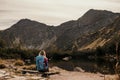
28	34
95	28
85	31
102	36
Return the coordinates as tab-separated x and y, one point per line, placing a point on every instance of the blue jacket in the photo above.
40	62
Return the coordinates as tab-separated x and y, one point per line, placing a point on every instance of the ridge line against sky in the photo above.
50	12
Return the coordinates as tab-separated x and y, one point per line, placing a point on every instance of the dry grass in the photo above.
2	64
19	63
30	67
2	61
112	77
95	44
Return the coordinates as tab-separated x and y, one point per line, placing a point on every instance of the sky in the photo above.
50	12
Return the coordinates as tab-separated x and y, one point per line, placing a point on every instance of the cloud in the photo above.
4	11
51	12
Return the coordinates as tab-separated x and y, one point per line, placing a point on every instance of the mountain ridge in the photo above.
80	34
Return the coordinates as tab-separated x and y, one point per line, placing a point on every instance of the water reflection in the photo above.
97	65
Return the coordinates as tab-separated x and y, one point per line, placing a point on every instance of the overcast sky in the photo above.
51	12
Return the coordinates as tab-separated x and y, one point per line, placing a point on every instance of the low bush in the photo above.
31	67
19	63
2	66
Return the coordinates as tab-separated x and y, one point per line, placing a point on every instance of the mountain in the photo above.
101	37
95	28
81	33
29	34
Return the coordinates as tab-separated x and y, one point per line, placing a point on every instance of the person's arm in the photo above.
45	61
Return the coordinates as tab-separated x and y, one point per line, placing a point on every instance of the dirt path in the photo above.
64	75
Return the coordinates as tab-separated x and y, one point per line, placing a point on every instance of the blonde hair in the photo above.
42	52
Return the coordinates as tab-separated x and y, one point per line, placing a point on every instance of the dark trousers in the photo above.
44	70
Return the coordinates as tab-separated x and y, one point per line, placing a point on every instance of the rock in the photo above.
2	72
19	78
67	58
78	69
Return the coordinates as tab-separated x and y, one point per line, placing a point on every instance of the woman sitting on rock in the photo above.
42	62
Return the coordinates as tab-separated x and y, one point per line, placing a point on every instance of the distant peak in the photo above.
95	10
93	15
27	21
24	20
91	10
